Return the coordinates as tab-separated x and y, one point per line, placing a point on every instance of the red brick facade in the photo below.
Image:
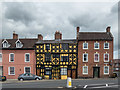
91	62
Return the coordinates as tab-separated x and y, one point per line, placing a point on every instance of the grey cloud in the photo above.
19	12
29	19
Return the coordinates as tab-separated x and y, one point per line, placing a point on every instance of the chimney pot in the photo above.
40	37
78	29
108	29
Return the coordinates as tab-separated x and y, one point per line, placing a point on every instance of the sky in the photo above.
28	19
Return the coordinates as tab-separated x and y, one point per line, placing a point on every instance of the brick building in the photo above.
17	57
95	54
89	55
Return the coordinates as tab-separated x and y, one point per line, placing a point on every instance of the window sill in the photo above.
27	61
85	61
96	48
85	48
106	61
96	61
106	74
11	74
85	74
106	48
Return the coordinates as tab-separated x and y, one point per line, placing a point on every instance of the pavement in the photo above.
111	83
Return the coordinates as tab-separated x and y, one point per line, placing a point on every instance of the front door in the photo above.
73	74
69	73
38	72
56	73
96	72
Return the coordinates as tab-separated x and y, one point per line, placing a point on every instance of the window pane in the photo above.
85	45
56	55
47	46
65	46
18	44
106	70
47	57
106	45
11	70
27	69
96	45
106	57
96	57
85	57
63	71
64	58
11	57
85	69
27	57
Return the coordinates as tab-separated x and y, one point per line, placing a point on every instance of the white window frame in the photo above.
20	43
1	58
104	70
27	67
7	44
25	57
108	45
10	57
83	70
98	45
104	57
98	57
9	70
83	57
83	45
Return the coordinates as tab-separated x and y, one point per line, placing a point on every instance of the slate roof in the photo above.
95	36
57	41
27	43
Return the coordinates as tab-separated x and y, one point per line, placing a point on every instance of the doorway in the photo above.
73	74
96	72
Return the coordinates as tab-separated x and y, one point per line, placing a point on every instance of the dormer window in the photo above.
18	44
5	44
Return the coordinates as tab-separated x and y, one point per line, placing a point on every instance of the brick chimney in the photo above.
78	29
108	29
58	35
15	36
40	37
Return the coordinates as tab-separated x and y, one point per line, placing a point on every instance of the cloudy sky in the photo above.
29	19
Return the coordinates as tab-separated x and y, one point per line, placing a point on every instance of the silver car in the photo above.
28	76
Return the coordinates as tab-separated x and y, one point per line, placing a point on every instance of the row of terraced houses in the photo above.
90	55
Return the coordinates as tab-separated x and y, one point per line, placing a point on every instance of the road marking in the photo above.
106	87
60	87
85	86
99	84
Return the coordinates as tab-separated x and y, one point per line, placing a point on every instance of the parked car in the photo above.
28	76
3	78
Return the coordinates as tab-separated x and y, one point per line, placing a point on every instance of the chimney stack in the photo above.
78	31
108	29
58	35
15	36
40	37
